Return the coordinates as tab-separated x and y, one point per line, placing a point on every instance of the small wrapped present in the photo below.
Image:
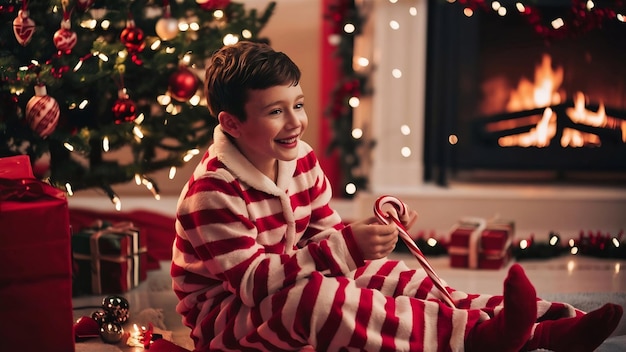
35	257
16	167
476	243
109	258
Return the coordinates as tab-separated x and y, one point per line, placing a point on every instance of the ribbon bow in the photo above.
26	189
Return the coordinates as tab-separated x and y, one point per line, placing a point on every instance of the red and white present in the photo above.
35	257
110	258
476	243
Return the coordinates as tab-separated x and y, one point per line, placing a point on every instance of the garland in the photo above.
566	18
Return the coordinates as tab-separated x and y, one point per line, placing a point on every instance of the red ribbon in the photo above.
27	189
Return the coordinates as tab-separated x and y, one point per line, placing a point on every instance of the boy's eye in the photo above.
275	112
299	105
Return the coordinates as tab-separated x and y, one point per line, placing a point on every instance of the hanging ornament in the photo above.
210	5
167	27
23	26
64	39
183	84
42	112
84	5
132	37
124	109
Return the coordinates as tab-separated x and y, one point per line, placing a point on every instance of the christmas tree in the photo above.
80	79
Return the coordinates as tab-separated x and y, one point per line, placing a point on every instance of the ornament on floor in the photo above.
111	332
116	308
42	112
600	245
23	26
183	84
166	27
530	248
106	323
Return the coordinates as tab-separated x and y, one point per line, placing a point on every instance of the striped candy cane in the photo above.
404	235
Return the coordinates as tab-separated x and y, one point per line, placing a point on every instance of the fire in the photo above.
539	136
544	92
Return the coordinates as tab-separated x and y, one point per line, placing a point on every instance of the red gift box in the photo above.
109	258
479	244
36	274
15	167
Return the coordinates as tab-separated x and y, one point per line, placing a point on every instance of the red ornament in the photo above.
42	112
210	5
83	5
183	84
64	39
124	109
132	37
23	27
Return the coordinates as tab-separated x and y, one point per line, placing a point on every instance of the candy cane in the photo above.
404	235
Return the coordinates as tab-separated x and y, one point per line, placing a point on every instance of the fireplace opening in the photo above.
506	103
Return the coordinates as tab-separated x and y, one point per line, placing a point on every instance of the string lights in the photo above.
156	123
347	18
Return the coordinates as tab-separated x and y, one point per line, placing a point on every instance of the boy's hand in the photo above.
375	241
407	219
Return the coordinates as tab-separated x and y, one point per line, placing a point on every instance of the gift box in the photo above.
16	167
35	257
109	258
476	243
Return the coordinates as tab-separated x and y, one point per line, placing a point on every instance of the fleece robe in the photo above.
267	266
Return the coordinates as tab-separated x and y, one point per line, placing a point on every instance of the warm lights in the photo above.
357	133
230	39
350	188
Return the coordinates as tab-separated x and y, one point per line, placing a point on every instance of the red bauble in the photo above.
213	4
64	39
124	109
183	84
42	112
83	5
132	37
23	27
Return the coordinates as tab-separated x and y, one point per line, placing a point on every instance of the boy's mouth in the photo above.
290	140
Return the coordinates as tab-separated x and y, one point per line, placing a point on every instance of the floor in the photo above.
585	282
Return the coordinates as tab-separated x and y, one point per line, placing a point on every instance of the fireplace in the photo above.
506	103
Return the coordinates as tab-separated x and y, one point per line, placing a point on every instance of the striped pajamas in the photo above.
259	265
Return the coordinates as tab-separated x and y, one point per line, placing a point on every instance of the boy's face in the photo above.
275	121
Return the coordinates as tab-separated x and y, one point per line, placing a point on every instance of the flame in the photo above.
539	136
581	115
544	92
540	93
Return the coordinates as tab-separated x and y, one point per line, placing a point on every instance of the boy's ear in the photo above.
230	123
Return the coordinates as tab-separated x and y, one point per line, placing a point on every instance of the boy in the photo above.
261	262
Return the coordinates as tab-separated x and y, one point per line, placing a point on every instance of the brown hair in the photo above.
235	69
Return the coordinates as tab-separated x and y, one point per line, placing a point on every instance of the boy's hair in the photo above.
235	69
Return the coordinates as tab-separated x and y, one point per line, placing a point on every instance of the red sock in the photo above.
510	329
579	334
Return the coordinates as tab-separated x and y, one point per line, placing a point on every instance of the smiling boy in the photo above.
262	262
